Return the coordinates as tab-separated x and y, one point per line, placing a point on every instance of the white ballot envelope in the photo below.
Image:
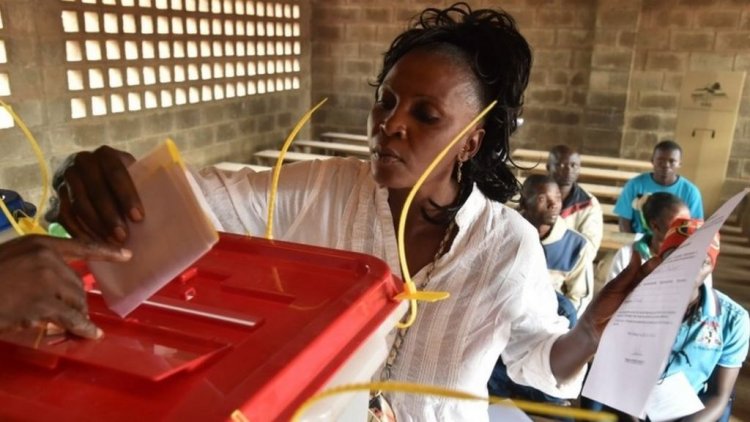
672	398
507	412
172	236
636	344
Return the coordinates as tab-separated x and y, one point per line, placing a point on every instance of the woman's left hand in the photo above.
614	293
574	349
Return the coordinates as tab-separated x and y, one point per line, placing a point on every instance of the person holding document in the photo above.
711	344
460	237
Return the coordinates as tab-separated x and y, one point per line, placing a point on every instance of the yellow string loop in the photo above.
413	388
280	161
28	225
410	289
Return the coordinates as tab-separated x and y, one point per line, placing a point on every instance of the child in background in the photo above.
658	210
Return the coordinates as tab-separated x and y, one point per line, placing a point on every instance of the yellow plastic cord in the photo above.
238	416
174	152
410	288
280	161
408	387
34	226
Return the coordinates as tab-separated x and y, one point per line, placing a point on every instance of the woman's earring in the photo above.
458	172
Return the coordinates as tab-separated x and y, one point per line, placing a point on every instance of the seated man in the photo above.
569	254
580	209
666	160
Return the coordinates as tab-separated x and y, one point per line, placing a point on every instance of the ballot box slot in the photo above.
144	351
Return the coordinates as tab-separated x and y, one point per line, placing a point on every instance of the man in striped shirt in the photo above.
580	209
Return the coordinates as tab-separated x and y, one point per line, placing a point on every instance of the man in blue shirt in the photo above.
666	160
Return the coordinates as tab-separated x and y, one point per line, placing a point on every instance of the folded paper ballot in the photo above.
173	235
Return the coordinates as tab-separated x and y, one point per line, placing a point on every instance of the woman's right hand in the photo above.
96	196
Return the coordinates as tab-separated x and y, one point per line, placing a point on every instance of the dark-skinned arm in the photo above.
574	349
37	286
625	225
720	387
96	198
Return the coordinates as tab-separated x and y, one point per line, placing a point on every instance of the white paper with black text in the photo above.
636	344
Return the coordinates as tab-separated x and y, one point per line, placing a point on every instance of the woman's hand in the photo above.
614	293
37	286
573	350
96	196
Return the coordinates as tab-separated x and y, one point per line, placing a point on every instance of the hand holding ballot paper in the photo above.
633	370
175	234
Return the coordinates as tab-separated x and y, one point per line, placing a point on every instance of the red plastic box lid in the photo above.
255	325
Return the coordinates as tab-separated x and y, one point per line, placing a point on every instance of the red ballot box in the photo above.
254	326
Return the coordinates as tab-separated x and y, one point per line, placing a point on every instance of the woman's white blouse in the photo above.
501	298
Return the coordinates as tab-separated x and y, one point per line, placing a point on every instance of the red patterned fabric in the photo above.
681	229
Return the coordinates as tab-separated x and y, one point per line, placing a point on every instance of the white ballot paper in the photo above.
172	237
672	398
507	412
637	342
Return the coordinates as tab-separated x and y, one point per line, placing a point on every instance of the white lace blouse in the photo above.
501	302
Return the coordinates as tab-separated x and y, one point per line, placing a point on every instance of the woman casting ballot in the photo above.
460	238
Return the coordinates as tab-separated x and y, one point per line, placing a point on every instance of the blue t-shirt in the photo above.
643	184
716	335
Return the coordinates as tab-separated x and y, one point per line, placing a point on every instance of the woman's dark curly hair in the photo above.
500	59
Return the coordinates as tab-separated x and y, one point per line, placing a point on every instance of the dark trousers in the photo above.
501	385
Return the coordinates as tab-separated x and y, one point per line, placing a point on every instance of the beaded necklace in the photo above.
385	374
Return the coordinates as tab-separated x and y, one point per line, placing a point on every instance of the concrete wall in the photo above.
606	75
675	37
207	132
606	79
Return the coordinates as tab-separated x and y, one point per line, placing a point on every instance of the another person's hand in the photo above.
37	286
96	196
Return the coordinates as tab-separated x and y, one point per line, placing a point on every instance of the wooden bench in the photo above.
291	156
608	210
617	176
586	160
614	240
744	220
229	166
334	147
610	193
347	137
